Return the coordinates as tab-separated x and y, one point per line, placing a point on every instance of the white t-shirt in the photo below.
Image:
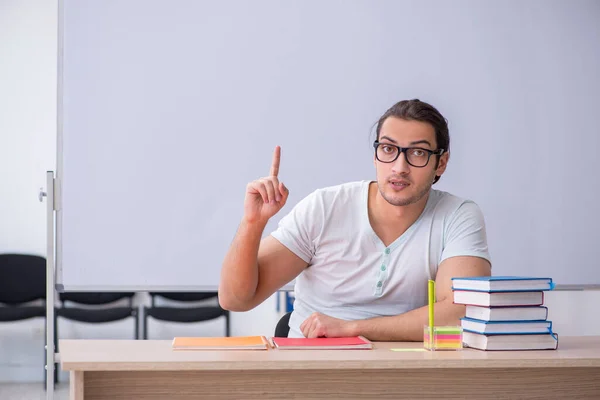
352	274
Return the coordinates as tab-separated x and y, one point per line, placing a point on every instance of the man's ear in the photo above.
443	162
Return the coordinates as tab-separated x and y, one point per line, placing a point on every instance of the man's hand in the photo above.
266	196
321	325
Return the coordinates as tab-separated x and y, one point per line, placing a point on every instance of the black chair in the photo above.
184	314
23	282
283	326
71	308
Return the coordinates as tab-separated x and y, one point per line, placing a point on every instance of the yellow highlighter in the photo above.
431	296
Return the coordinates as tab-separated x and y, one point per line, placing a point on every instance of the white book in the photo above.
529	313
510	342
499	298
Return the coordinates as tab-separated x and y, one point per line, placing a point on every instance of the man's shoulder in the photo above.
337	197
342	199
445	203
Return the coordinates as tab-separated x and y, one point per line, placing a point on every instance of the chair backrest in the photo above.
95	298
283	326
22	278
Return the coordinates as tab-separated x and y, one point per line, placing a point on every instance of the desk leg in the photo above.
76	385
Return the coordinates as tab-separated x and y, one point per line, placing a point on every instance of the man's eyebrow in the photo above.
421	142
387	138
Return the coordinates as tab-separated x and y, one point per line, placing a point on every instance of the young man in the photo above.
362	252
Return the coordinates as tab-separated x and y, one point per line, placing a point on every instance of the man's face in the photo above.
400	183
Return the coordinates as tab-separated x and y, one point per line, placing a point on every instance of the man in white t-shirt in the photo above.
363	252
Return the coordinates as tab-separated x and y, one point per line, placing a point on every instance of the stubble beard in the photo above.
405	202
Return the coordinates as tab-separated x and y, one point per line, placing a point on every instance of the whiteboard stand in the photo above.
51	357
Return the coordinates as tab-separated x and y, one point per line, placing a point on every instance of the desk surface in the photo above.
157	355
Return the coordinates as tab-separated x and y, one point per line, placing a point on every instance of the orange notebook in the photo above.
343	343
221	343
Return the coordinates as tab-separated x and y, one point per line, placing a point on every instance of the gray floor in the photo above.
31	391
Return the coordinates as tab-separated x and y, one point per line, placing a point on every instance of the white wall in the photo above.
27	147
27	150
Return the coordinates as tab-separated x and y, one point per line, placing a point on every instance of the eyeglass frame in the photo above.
401	150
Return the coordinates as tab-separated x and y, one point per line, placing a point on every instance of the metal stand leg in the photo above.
51	369
55	346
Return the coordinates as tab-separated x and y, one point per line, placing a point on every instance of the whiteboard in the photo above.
166	110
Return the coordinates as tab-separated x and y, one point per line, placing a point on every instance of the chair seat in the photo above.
188	314
20	313
96	315
187	296
94	298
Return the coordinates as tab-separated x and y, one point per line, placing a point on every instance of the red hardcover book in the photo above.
343	343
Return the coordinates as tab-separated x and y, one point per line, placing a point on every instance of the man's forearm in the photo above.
239	273
408	326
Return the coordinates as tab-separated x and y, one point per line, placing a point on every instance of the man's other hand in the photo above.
321	325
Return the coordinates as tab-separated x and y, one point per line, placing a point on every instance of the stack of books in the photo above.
505	312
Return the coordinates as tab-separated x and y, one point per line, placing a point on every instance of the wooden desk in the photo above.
109	369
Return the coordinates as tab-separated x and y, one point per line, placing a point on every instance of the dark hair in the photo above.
417	110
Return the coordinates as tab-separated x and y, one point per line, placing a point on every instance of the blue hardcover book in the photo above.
502	283
506	327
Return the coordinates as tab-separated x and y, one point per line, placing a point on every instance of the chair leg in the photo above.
227	326
137	324
145	323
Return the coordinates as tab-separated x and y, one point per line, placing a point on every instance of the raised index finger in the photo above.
276	159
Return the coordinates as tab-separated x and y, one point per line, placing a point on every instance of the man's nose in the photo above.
401	166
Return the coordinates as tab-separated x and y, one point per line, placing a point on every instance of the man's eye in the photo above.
418	153
388	149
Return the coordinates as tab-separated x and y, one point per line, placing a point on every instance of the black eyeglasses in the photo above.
415	156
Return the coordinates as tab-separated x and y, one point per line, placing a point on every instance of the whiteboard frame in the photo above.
59	141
